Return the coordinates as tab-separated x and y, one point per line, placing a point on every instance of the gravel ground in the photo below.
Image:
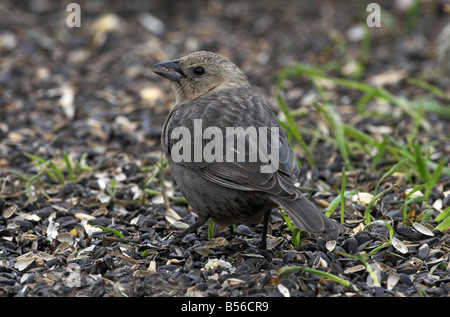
89	92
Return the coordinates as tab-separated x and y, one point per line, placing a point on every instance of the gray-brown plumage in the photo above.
209	87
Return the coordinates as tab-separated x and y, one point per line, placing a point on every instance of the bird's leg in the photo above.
188	230
263	244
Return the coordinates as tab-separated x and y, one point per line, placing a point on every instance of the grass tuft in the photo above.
387	155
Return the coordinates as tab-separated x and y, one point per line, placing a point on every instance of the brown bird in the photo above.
217	112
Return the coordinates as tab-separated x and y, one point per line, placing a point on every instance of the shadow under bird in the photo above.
212	90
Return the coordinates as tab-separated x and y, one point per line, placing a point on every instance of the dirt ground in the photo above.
89	92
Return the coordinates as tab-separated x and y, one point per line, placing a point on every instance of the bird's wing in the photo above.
279	178
248	111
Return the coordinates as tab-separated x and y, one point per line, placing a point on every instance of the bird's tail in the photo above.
306	216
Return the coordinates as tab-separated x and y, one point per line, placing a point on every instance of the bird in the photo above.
213	97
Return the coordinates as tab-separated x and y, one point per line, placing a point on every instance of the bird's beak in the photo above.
170	70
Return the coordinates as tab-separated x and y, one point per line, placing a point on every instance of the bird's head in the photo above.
200	72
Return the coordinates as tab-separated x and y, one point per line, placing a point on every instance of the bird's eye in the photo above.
199	70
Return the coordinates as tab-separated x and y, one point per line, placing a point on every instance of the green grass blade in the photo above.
336	124
408	202
388	226
211	229
399	149
35	158
426	215
362	102
58	173
377	249
33	179
337	200
444	224
416	123
420	162
20	176
424	85
82	165
343	184
370	204
288	270
30	194
69	167
380	153
444	214
433	166
339	130
362	257
435	176
116	232
294	129
377	92
43	165
295	237
359	136
342	145
433	106
157	192
416	189
391	171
